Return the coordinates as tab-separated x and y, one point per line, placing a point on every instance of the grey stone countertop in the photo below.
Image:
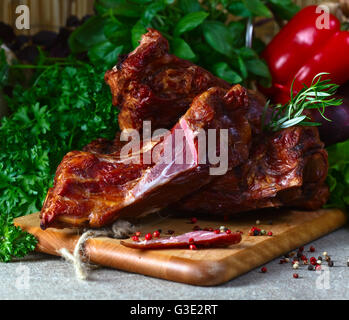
40	276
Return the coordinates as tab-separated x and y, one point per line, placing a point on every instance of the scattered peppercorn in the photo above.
217	231
303	257
193	220
170	231
318	268
301	249
295	266
292	254
319	262
228	231
135	238
312	249
192	247
319	258
324	254
264	270
287	260
328	258
310	267
191	240
256	233
196	228
160	230
263	232
305	262
258	222
148	236
330	263
295	275
156	234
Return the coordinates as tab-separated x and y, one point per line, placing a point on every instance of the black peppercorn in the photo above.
319	258
330	263
310	267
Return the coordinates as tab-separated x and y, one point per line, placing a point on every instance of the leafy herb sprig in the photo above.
318	95
13	241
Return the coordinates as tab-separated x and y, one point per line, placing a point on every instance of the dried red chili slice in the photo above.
201	239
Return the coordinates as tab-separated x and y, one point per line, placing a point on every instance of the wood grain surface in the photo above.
205	267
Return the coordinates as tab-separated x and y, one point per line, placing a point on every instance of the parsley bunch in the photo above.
65	108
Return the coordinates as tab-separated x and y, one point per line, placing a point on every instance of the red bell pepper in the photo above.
301	50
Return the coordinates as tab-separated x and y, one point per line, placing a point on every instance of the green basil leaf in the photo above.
189	6
88	35
136	33
122	8
181	49
284	9
237	8
190	22
258	8
152	10
242	67
218	37
116	32
222	70
237	31
258	67
106	52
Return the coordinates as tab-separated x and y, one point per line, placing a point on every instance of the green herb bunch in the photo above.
65	108
210	33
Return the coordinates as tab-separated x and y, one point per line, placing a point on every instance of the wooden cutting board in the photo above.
205	267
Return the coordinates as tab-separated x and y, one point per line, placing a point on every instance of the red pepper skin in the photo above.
302	50
333	58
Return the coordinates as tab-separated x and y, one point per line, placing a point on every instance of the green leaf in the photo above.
105	52
152	10
14	243
190	22
116	32
122	8
222	70
189	6
181	49
218	37
137	31
88	35
238	8
242	67
284	9
257	8
258	67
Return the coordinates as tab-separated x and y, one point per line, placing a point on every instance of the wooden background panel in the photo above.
45	14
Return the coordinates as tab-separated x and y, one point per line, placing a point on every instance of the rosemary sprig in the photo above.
317	96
